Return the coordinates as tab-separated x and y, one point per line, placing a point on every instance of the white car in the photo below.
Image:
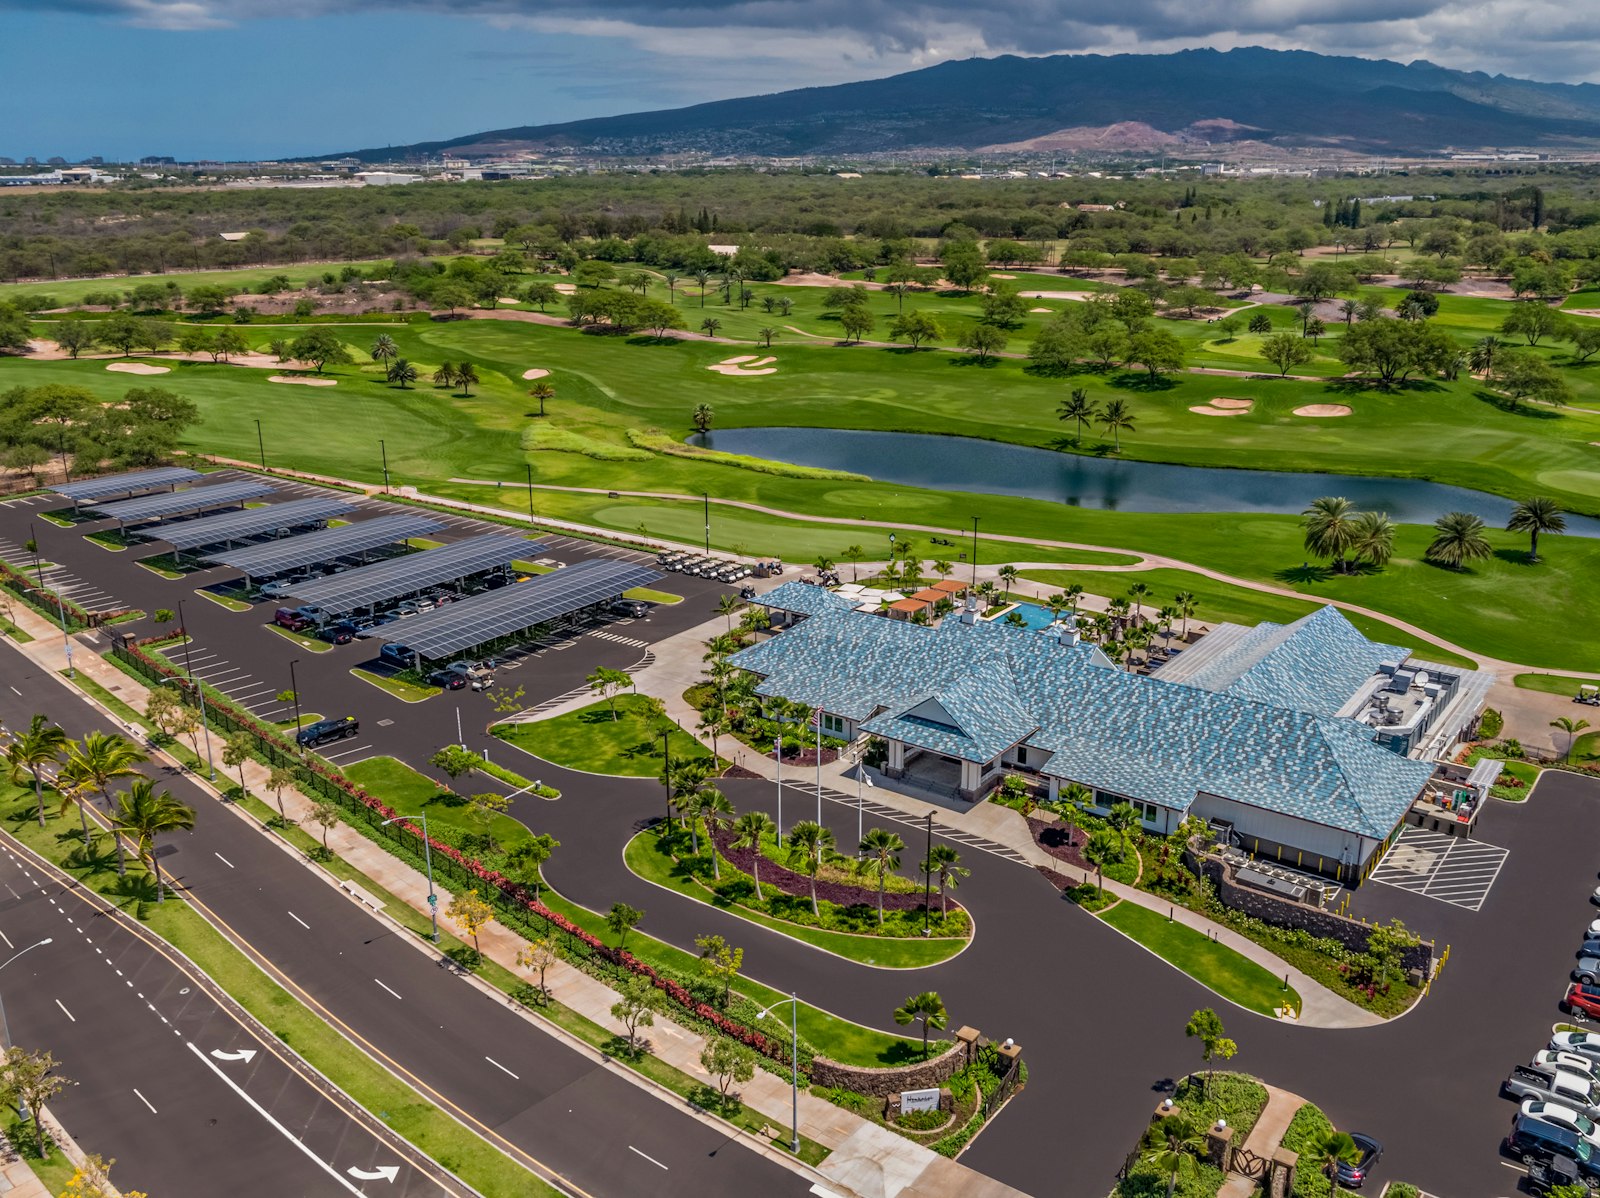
1584	1044
1569	1062
1593	932
1562	1116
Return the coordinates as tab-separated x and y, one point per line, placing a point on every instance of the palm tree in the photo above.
384	348
1483	353
143	814
1458	539
99	759
466	375
944	863
1122	818
1571	727
40	746
811	847
1136	593
1074	593
1186	603
670	278
1079	408
1118	418
1075	799
1104	848
880	855
1372	538
727	605
1164	617
1138	638
710	324
1330	528
710	804
823	564
748	832
1178	1153
1330	1149
701	278
853	554
445	376
542	392
1008	576
927	1007
402	372
702	417
1534	516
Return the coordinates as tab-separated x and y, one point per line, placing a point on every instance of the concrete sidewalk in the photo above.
1264	1138
767	1094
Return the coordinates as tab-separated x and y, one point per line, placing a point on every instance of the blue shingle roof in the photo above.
803	599
1131	734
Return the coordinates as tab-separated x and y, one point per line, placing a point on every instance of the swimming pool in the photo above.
1033	615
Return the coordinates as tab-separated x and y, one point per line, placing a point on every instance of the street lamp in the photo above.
974	553
4	1025
261	445
200	694
384	450
777	757
794	1063
861	773
666	773
927	881
707	498
427	857
294	692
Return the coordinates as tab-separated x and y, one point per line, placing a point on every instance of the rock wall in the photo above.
881	1083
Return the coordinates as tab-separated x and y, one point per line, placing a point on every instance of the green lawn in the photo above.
646	858
1215	966
224	600
590	739
1554	684
646	595
409	692
309	643
411	793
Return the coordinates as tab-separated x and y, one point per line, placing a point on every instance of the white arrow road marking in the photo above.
382	1172
244	1054
267	1115
66	1012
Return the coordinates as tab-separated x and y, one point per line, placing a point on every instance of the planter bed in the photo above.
842	894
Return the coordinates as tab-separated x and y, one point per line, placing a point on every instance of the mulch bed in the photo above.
798	884
1061	842
738	771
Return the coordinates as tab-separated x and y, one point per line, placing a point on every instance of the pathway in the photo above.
1264	1139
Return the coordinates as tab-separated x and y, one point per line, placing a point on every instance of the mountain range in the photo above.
1132	102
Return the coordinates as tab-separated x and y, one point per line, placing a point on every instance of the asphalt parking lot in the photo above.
1452	869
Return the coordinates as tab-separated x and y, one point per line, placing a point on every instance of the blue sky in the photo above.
239	79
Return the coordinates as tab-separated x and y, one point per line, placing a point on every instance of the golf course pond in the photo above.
945	463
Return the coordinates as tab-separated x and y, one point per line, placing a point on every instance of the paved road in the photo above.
518	1086
166	1079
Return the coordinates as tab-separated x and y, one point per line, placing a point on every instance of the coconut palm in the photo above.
1373	538
1331	1148
944	863
466	375
880	856
1074	800
384	348
1185	603
1104	848
1137	592
1458	539
811	846
748	832
670	278
1330	528
1571	727
1164	617
701	278
1178	1152
1138	639
1534	516
99	759
1117	417
542	392
445	376
928	1008
1008	576
709	804
853	554
1122	818
1074	593
402	372
1078	408
40	746
143	814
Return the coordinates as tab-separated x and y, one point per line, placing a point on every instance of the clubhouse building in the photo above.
1302	742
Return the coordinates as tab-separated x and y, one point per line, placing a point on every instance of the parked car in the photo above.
1585	1044
1582	1000
406	609
325	731
291	619
459	674
631	607
1558	1171
396	654
1369	1152
1587	970
1532	1141
1552	1085
1592	932
1572	1062
1562	1116
448	679
341	632
281	586
425	604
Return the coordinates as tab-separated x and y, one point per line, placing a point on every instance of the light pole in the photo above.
199	691
794	1063
818	718
666	774
427	857
460	739
5	1027
294	693
927	881
861	772
777	757
974	553
384	450
707	498
530	491
261	445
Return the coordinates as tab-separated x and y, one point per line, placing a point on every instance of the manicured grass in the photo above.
409	692
164	573
1221	602
411	793
1213	965
224	600
306	717
590	739
646	595
310	643
1554	684
20	635
645	856
107	540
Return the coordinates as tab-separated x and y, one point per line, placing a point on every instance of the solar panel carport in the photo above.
191	499
130	483
314	548
457	627
227	527
368	586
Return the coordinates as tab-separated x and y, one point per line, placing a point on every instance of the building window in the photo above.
834	725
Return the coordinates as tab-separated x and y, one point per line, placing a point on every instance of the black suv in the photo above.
339	633
325	731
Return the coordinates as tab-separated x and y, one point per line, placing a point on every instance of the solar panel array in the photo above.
457	627
236	526
193	499
126	484
383	581
313	548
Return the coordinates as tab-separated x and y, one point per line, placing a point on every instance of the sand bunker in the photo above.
566	288
1063	295
137	368
1244	405
1204	410
535	373
1041	309
745	364
998	275
509	299
304	382
1323	409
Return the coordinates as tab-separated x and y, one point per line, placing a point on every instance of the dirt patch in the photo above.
1323	410
1206	410
49	350
745	364
535	373
304	382
1244	405
137	368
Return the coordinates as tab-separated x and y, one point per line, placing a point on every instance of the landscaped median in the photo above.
600	740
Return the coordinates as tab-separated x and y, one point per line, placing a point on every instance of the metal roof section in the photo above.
176	503
314	548
401	576
130	483
457	627
238	526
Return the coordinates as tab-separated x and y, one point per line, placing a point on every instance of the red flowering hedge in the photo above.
841	894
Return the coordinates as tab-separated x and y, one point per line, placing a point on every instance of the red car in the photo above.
1582	1000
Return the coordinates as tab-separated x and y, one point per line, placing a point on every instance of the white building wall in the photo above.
1332	845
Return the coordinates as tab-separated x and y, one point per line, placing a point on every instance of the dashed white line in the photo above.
221	858
299	921
146	1101
491	1060
7	939
648	1157
66	1012
391	991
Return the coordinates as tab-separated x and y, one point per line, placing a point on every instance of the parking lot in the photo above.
1451	869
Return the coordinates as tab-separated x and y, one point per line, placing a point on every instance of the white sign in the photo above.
919	1100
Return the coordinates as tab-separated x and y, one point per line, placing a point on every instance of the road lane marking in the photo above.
395	993
146	1101
15	691
66	1012
7	939
299	921
221	858
493	1062
647	1157
265	1114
